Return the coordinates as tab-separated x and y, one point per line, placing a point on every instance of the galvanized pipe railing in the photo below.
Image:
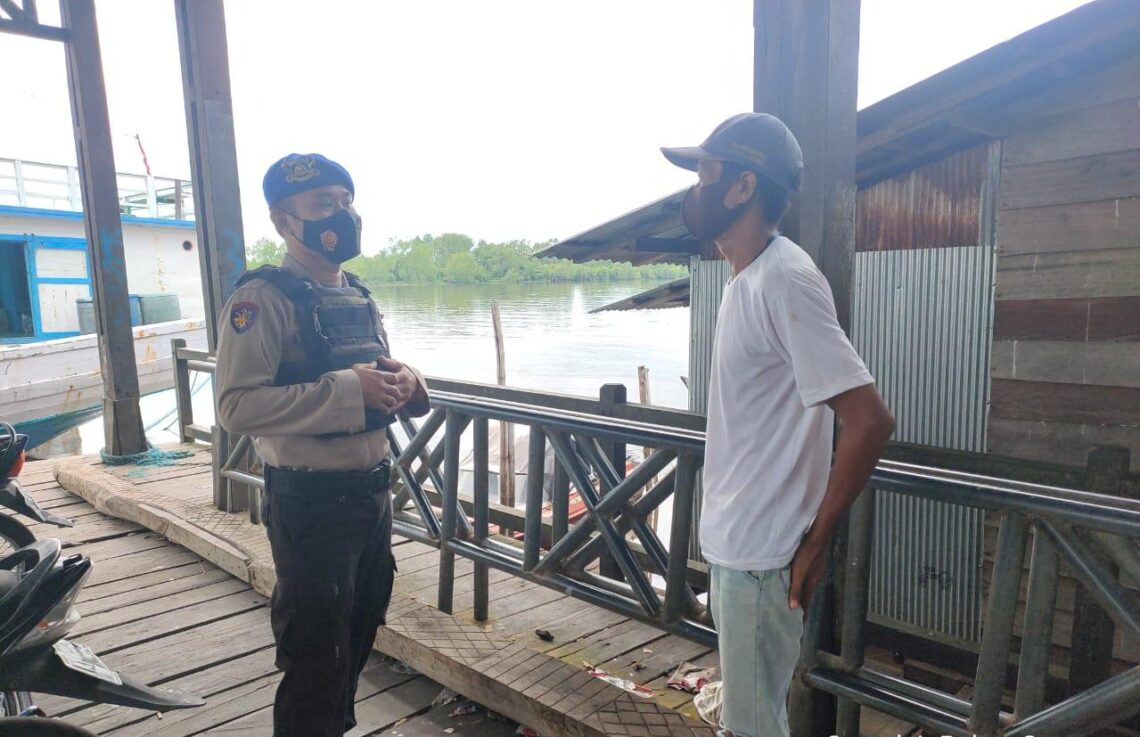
1095	534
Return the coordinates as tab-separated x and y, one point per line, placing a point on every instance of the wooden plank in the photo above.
142	587
1086	226
223	708
178	598
1085	179
1058	442
524	597
558	613
376	712
1089	131
615	642
223	613
104	718
201	647
1107	273
1090	86
679	699
666	653
435	721
1106	364
117	570
137	546
577	627
1075	403
1077	319
104	529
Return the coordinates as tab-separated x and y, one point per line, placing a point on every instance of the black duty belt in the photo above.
307	483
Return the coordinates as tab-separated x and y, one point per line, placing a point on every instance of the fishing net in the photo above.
152	456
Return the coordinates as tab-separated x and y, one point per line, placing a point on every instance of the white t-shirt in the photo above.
778	355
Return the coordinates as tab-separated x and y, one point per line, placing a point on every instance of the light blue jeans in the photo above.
759	647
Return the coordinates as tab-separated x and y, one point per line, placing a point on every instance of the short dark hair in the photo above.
773	198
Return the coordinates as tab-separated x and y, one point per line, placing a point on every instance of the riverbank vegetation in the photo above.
458	259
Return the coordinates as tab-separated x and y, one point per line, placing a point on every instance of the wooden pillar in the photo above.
213	154
806	73
1093	633
122	422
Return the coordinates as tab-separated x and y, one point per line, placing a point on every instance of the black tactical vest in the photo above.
339	327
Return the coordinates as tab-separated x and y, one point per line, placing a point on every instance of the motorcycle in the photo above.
13	534
38	591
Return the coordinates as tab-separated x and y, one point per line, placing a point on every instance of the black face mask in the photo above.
703	210
336	237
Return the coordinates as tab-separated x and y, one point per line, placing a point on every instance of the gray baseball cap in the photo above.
758	142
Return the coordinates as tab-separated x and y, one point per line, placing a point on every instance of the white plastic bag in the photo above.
708	702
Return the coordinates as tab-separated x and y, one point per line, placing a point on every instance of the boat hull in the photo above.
49	386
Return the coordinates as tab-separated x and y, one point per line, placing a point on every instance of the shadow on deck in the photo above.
501	663
164	614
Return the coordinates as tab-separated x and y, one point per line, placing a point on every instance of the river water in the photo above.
552	341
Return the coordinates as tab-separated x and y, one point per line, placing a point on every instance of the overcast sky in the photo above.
501	119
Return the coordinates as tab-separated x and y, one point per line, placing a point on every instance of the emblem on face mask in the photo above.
301	169
328	240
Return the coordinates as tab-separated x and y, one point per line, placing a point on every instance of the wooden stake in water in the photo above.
643	395
506	429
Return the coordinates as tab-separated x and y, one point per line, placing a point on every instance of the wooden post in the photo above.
213	154
1090	655
805	72
506	429
122	421
643	395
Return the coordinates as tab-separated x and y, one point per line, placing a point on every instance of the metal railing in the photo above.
1094	534
56	187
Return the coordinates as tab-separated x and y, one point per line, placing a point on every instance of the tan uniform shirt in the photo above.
258	333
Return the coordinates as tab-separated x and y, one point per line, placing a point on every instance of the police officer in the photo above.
304	368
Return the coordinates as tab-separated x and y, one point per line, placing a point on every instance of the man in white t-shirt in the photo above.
782	372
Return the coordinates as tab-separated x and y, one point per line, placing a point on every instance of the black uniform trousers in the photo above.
331	536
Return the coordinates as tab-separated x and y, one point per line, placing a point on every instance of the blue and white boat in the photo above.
49	359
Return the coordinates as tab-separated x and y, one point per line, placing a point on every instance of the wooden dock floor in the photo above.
161	613
501	663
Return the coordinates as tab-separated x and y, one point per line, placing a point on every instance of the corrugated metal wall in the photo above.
706	287
922	322
934	206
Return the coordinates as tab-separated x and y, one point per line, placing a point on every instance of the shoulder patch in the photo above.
243	315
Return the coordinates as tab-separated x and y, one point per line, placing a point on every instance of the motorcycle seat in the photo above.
8	581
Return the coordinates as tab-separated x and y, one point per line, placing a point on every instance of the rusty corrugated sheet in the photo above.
935	206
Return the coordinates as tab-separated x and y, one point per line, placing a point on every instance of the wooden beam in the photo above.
805	72
1088	226
1107	176
685	246
213	153
1072	403
122	422
1077	319
1076	274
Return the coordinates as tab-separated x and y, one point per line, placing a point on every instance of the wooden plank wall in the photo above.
1066	352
